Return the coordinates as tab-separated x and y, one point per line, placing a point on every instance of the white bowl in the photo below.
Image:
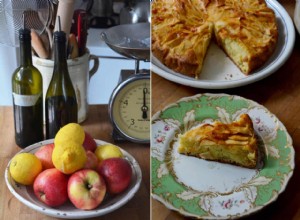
110	203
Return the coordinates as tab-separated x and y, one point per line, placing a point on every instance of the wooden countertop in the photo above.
280	93
99	126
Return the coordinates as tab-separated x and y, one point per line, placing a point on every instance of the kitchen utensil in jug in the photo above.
38	15
65	11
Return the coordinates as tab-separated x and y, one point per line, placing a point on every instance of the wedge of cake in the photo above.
233	143
246	30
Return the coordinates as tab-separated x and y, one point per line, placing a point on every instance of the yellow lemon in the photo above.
108	151
24	168
70	132
69	158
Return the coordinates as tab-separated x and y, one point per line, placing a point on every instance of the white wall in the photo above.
9	61
107	76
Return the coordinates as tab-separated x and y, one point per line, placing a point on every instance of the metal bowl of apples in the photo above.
68	210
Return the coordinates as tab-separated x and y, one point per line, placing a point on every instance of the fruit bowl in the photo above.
110	203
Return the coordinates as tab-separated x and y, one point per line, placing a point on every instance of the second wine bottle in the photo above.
60	103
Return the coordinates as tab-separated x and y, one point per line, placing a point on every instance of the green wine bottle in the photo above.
27	90
60	103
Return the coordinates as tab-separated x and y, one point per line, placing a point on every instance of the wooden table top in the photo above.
99	126
280	93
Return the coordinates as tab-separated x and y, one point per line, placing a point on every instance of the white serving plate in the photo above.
26	195
297	16
219	72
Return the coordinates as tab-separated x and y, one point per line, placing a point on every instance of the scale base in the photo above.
117	137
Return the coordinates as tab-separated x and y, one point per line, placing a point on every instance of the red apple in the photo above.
86	189
45	155
92	161
117	174
50	187
89	143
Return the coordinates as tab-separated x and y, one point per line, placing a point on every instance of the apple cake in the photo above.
182	30
233	143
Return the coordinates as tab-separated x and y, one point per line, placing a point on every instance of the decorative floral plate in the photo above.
208	189
224	73
26	195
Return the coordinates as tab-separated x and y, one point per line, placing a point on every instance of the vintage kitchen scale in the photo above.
129	105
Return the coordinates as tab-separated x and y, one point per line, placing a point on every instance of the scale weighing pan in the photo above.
129	40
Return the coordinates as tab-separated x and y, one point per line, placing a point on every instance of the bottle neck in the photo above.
25	52
60	56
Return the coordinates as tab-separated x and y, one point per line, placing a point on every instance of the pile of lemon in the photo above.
68	156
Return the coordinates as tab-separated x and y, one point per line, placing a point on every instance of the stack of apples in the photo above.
104	171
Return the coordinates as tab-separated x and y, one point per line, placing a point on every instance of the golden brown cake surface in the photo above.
182	30
233	143
179	42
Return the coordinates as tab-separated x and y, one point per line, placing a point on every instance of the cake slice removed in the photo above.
233	143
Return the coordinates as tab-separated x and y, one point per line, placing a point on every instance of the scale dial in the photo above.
130	108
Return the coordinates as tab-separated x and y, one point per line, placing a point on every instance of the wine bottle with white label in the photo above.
27	91
60	103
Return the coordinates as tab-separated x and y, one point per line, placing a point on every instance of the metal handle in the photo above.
96	65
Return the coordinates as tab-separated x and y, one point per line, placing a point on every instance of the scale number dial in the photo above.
130	110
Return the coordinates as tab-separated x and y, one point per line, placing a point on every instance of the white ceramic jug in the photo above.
80	74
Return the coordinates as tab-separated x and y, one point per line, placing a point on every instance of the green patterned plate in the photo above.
212	190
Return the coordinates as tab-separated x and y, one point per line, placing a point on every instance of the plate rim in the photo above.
290	37
51	211
252	210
